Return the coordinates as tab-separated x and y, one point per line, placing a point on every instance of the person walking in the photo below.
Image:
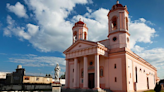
157	87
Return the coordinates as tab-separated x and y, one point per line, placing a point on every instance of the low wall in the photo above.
25	87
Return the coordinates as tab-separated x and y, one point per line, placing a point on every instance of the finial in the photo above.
80	19
117	2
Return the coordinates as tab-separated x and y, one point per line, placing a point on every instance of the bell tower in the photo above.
118	26
80	31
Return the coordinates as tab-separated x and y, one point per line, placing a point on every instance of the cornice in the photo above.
79	26
118	32
132	54
116	10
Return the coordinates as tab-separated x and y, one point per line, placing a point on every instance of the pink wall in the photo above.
105	42
124	72
142	74
115	73
129	74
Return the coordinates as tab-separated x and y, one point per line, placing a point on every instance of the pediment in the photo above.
80	45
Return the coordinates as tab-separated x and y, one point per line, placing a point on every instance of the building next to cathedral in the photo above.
107	64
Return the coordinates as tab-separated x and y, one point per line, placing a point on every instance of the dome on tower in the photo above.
80	24
118	6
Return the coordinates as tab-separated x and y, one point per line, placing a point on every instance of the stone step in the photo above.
84	90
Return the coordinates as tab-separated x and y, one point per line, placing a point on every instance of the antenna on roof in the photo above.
117	2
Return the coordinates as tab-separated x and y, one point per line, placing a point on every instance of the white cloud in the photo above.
142	20
153	56
140	32
138	48
88	9
7	32
54	33
18	9
35	74
38	61
3	54
32	29
90	1
97	24
32	60
13	29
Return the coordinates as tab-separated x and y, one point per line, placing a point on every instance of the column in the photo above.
75	73
97	84
85	80
67	74
106	72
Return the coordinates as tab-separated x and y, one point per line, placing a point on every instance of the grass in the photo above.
153	91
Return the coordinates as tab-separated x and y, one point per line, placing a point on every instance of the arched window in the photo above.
136	73
74	36
127	39
101	72
126	23
115	79
114	23
115	66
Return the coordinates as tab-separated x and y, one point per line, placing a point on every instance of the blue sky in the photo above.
34	33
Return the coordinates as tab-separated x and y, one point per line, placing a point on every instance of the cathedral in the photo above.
109	63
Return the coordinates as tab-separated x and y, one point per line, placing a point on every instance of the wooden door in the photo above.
91	80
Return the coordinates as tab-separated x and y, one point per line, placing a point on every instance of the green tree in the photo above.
62	76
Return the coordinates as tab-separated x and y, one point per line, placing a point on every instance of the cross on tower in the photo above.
117	2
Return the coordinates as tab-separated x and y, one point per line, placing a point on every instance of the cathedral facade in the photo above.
107	64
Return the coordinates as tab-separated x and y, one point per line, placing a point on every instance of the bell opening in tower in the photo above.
126	23
75	36
114	23
85	36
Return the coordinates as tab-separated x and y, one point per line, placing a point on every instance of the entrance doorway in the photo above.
147	83
91	80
